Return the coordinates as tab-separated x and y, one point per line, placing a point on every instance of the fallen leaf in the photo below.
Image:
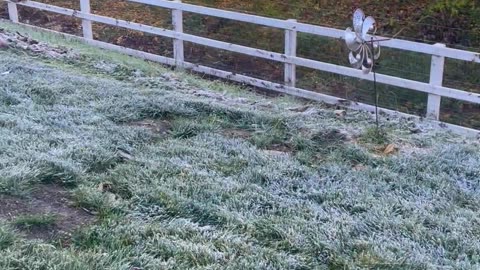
359	167
389	149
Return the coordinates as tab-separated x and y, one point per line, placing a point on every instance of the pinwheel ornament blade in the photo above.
354	61
376	48
368	25
366	70
351	40
358	18
364	49
367	65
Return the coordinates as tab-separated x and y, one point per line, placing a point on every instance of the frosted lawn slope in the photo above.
200	174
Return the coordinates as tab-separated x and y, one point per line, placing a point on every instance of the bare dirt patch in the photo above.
45	200
161	127
280	148
237	133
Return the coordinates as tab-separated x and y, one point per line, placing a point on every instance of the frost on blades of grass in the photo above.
184	173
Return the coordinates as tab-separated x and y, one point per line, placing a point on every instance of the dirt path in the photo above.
50	203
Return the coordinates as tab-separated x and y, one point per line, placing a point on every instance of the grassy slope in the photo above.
399	63
199	199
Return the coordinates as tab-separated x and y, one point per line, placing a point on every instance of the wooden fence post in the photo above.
86	24
436	78
178	49
13	12
290	50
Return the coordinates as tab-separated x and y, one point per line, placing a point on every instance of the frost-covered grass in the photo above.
297	188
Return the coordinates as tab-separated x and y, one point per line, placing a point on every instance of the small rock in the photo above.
138	73
311	111
415	130
32	41
359	167
124	154
23	39
340	113
266	105
169	77
275	153
299	109
241	100
108	67
3	43
201	93
442	125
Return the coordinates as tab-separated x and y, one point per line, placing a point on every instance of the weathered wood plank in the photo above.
86	24
178	48
290	50
12	12
436	78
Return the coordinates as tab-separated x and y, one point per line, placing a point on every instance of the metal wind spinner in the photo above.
364	48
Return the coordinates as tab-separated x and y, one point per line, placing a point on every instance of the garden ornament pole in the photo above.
364	51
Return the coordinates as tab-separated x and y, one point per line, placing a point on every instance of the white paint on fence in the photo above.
12	12
436	78
290	50
86	24
178	49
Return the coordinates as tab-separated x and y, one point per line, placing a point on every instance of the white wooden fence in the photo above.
438	52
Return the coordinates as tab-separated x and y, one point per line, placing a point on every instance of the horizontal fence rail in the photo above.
434	88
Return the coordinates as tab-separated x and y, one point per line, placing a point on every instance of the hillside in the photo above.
110	162
454	23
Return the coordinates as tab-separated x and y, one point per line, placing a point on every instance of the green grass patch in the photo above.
7	237
376	136
36	221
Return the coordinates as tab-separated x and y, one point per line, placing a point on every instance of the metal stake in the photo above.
375	86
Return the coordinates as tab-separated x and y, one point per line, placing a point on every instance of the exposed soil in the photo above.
46	200
160	127
236	133
275	149
280	148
